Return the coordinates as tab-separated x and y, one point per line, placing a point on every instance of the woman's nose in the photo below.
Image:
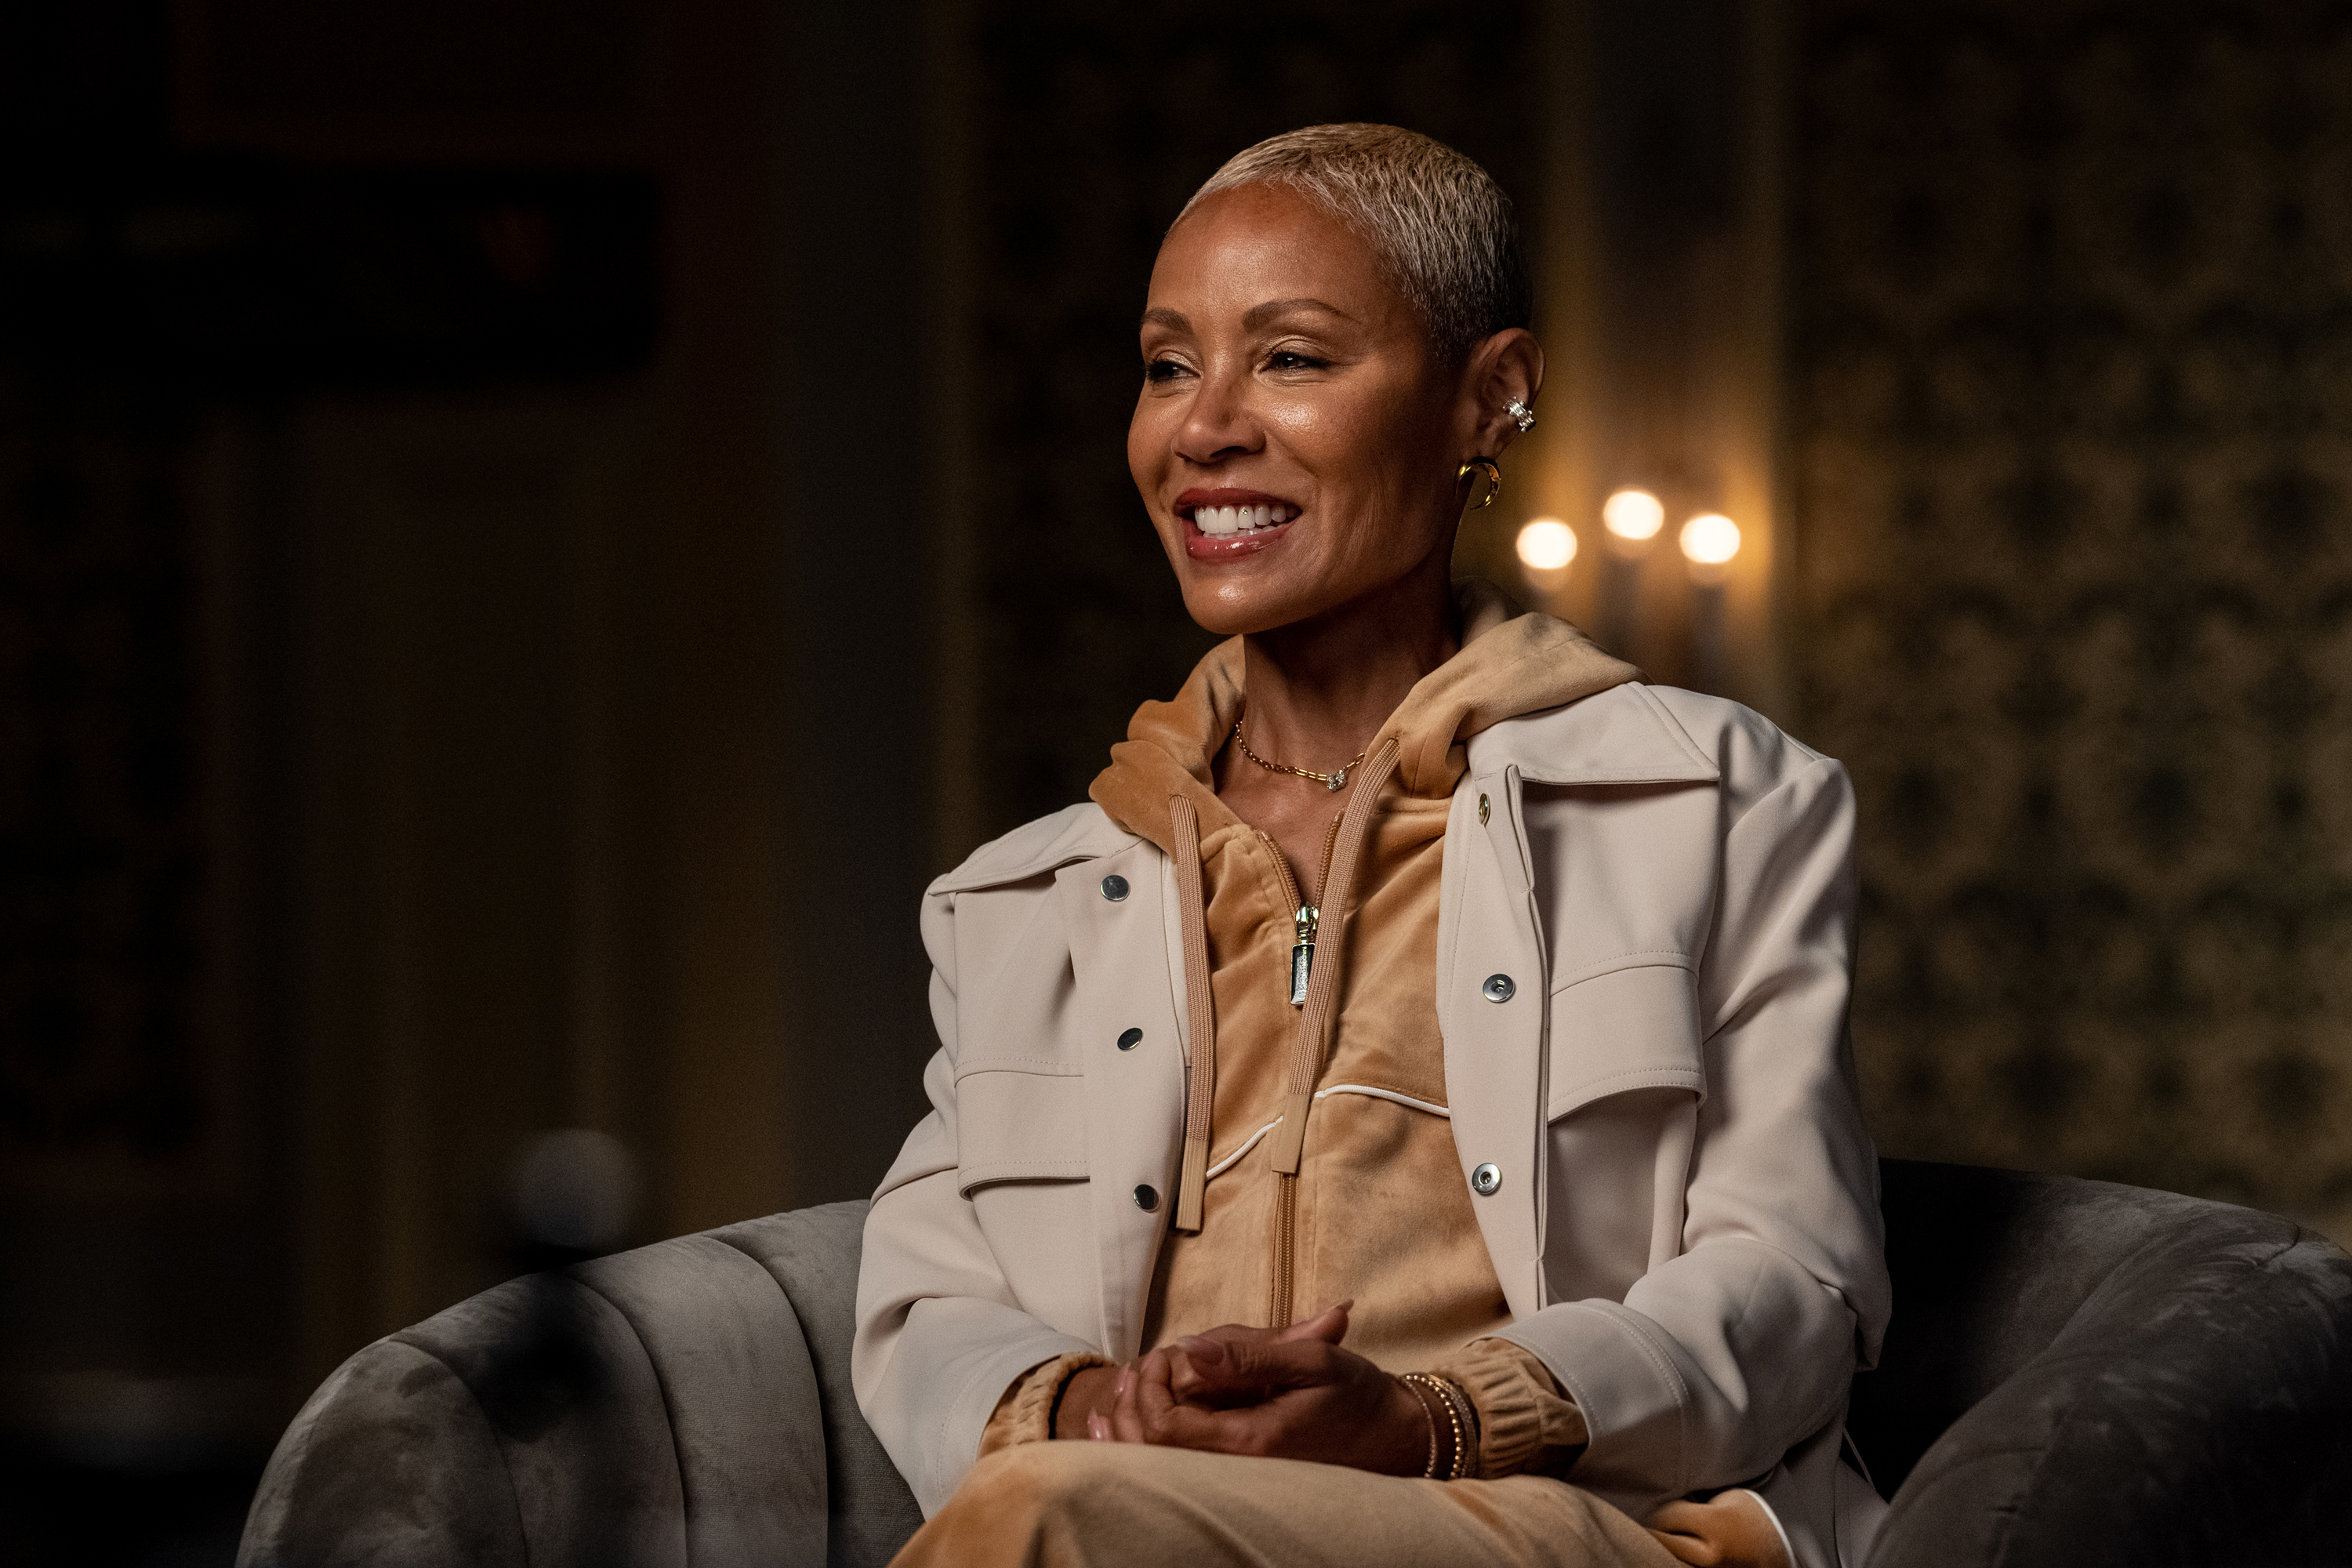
1218	424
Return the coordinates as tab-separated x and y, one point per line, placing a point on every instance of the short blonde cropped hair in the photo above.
1441	228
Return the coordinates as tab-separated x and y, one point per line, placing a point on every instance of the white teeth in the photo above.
1224	521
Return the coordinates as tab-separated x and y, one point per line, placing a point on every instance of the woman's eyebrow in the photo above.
1258	315
1255	317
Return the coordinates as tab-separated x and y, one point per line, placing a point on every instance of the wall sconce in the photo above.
1545	546
1634	515
1632	518
1709	540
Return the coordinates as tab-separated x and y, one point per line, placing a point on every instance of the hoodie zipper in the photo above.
1305	917
1302	961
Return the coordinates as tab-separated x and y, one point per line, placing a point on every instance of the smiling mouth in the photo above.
1238	522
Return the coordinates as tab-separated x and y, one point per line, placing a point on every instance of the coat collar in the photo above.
1075	833
1621	736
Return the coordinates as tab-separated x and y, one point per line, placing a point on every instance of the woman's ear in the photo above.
1506	368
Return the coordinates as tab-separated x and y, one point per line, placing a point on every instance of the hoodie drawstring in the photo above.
1200	1010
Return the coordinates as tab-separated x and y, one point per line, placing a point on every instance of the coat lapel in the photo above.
1135	1098
1486	928
1488	923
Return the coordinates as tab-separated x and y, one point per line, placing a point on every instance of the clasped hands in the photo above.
1290	1393
1297	1393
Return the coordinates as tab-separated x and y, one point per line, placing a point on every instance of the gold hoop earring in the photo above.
1494	473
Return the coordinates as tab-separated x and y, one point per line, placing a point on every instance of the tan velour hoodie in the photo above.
1378	1213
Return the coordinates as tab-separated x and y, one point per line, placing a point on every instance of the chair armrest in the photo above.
656	1407
814	1255
2196	1408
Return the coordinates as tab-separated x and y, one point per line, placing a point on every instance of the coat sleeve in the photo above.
1723	1357
939	1335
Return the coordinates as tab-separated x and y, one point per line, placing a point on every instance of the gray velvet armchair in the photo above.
2077	1373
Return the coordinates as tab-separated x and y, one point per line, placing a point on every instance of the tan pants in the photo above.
1127	1505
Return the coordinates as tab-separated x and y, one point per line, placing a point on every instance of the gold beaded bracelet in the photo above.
1429	1415
1444	1392
1467	1456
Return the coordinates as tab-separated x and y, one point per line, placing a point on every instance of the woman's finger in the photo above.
1155	1398
1126	1420
1277	1366
1167	1421
1211	1373
1329	1325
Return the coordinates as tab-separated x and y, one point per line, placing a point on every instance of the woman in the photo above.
1404	1116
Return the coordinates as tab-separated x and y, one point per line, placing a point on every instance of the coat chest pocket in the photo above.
1019	1126
1632	1025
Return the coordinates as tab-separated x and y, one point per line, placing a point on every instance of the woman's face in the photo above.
1296	440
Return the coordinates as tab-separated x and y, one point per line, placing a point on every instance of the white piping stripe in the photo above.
1222	1167
1433	1109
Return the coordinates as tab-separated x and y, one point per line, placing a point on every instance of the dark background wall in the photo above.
529	532
2070	379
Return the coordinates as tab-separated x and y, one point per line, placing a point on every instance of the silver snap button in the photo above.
1485	1180
1130	1039
1483	810
1498	988
1114	888
1147	1198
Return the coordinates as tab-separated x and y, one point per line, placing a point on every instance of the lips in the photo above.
1226	523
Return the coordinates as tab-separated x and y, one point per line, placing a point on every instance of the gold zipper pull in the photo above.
1302	957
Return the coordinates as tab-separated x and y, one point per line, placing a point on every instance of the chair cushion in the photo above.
2079	1371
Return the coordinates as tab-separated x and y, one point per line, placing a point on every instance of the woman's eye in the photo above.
1290	359
1162	370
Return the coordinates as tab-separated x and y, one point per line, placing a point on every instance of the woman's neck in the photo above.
1319	691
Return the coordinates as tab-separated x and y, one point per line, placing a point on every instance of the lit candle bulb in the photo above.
1634	515
1547	545
1710	539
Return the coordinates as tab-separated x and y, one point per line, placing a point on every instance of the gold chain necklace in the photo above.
1337	779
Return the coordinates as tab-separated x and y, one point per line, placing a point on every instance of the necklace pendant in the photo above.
1338	781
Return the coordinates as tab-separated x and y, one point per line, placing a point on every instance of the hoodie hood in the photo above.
1511	662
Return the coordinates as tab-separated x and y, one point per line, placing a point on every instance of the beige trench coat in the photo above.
1644	947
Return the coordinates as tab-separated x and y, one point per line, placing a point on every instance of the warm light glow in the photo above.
1710	539
1547	545
1633	514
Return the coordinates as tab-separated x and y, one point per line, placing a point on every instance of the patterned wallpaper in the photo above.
1093	126
2072	444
